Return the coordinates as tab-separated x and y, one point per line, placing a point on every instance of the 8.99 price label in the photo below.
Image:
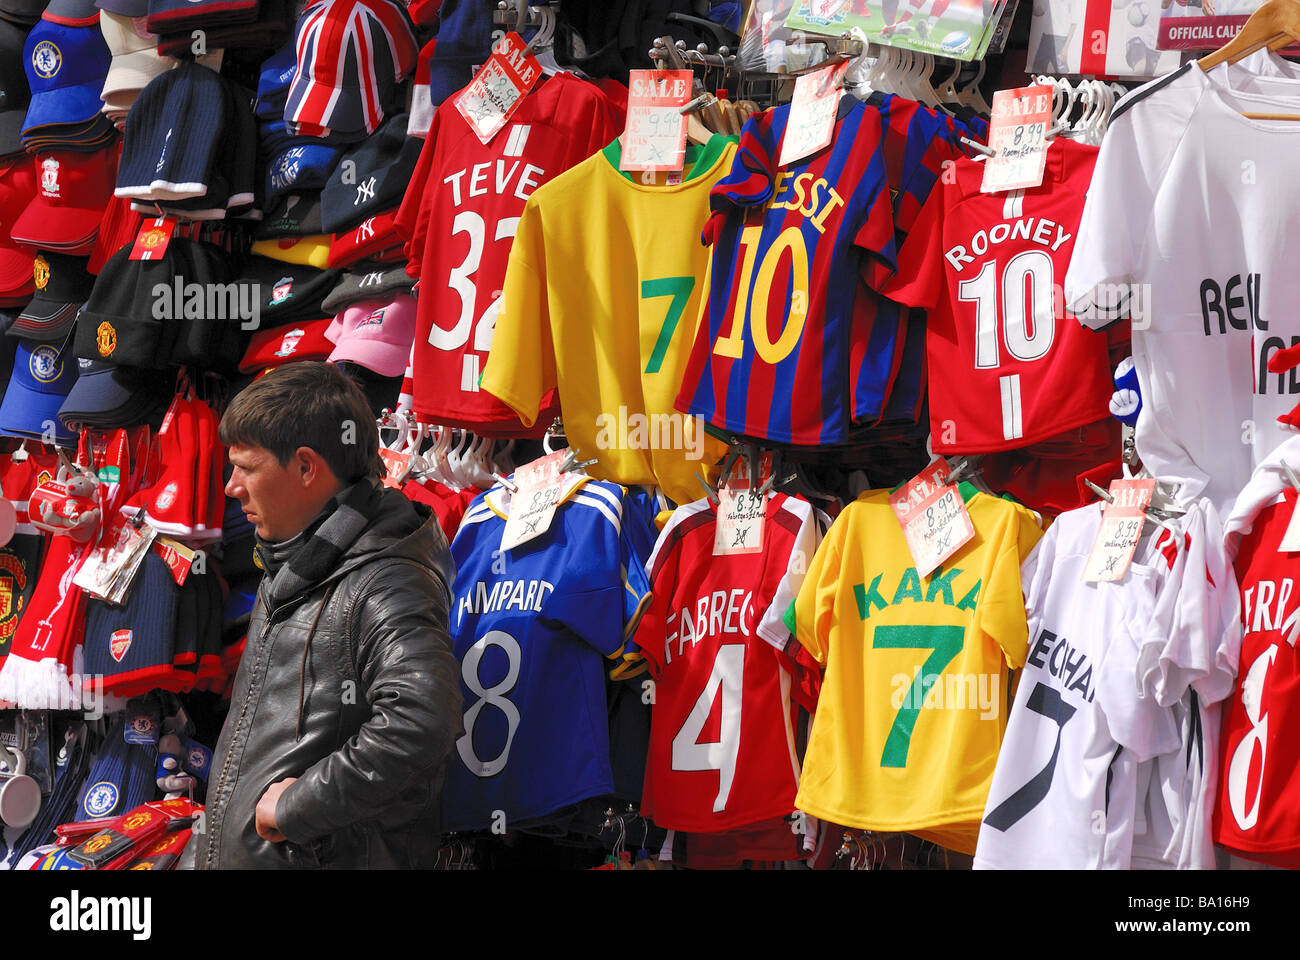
1121	526
934	518
1018	138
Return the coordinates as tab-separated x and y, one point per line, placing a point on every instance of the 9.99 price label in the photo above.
1121	526
934	518
655	136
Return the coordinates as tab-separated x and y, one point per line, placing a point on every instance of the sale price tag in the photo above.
811	122
1121	526
655	136
542	485
1018	138
499	86
934	518
742	509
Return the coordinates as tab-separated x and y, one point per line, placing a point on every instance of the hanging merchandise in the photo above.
618	379
460	218
878	758
702	636
1217	316
535	628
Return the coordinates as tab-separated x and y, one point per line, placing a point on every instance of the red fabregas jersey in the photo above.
722	748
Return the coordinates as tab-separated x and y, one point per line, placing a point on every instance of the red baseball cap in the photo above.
17	188
373	239
72	192
293	341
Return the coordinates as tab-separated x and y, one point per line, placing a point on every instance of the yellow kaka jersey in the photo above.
601	300
914	700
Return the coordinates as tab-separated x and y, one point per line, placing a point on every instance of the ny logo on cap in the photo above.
373	278
50	177
365	191
366	230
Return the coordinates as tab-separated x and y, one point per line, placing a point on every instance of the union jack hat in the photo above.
350	54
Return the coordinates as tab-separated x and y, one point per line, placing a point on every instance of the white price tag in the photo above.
541	487
811	123
496	90
934	518
742	509
1121	526
1018	137
655	136
741	514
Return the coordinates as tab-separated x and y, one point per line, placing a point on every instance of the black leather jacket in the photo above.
352	688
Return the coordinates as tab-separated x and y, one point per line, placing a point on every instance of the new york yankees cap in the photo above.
375	238
371	177
367	281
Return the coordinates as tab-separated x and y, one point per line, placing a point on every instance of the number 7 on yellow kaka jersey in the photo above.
914	701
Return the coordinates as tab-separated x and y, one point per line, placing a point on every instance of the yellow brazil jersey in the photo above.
601	300
914	700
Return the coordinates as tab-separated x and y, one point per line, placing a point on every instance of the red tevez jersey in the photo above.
1007	366
721	731
459	217
1258	809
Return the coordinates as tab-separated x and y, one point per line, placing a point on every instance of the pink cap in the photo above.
376	334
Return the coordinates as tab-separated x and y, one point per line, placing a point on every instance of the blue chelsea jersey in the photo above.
535	629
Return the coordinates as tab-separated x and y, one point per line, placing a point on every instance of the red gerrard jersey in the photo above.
1007	366
459	216
721	736
1258	809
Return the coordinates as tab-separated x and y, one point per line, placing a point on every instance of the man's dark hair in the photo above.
307	404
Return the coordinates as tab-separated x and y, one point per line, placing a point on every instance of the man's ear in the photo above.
309	467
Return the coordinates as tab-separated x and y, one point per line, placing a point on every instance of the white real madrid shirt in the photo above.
1065	790
1189	226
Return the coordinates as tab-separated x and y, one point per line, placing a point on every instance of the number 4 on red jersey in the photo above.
721	739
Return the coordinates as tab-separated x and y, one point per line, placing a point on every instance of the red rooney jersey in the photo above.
459	216
1257	813
721	730
1007	366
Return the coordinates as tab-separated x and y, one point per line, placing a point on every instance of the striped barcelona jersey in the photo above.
771	357
534	629
1007	367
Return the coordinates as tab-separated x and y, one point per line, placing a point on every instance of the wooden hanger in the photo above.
1275	25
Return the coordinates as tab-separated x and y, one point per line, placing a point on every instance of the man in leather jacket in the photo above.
346	704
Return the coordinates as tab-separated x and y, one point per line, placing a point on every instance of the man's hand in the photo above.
265	813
